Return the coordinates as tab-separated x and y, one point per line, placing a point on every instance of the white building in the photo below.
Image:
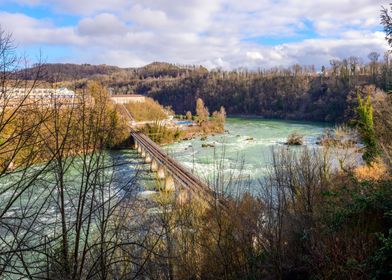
39	96
39	93
127	98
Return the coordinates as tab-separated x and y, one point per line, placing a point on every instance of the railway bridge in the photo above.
175	176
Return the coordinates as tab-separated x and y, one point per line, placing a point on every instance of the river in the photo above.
244	149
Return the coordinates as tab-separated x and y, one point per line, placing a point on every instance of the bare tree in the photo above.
68	206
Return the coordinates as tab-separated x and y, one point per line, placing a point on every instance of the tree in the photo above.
64	212
201	111
354	63
323	70
386	21
366	128
219	118
189	115
373	57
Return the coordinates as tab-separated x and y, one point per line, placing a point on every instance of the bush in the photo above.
366	128
295	139
146	111
162	134
374	171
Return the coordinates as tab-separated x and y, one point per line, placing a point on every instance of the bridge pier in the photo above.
148	158
169	183
161	172
154	165
170	173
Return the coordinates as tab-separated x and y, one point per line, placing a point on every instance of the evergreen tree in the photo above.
366	128
386	21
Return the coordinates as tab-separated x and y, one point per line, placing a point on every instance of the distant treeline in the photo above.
293	93
297	92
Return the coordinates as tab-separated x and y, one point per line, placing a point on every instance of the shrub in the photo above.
146	111
374	171
295	139
366	128
162	134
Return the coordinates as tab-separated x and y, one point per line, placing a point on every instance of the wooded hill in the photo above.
288	93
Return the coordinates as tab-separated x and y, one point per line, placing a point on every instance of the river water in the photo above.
244	149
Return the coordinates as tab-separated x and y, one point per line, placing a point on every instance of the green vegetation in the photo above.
146	111
297	92
161	133
308	222
366	128
209	125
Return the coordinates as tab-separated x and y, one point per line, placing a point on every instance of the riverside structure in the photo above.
45	97
176	177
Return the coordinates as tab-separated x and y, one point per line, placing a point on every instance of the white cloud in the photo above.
211	32
254	55
101	25
27	30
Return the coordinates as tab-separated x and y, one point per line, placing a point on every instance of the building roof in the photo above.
126	95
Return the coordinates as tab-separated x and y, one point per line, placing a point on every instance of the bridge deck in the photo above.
179	172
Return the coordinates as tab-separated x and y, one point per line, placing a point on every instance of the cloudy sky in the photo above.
215	33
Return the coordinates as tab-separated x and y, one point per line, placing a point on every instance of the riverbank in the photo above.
164	134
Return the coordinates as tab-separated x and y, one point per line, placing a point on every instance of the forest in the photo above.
297	92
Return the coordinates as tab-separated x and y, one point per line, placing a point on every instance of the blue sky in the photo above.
215	33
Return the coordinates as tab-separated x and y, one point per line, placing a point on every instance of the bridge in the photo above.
175	176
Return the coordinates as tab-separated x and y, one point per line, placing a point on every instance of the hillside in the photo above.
60	72
293	93
68	72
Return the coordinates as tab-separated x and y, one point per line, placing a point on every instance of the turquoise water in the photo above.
244	149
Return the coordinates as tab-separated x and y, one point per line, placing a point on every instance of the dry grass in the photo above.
376	171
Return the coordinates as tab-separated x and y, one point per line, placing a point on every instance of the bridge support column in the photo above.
161	172
143	154
154	165
169	183
148	158
136	145
183	196
139	149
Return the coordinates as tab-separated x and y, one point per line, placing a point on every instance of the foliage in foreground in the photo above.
307	223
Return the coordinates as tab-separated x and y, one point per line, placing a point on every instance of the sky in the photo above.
226	34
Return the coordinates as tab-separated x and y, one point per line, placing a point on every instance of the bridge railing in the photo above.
181	174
